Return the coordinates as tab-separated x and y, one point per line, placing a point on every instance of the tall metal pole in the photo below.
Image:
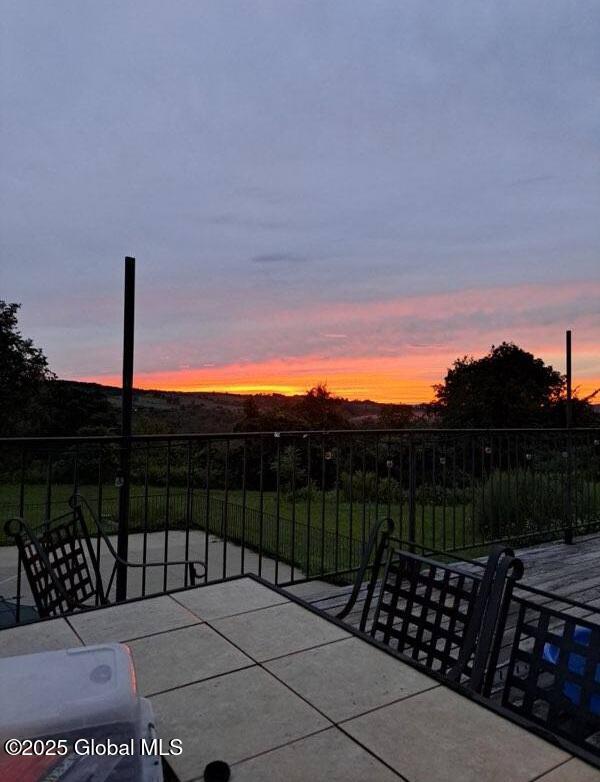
569	382
569	416
126	410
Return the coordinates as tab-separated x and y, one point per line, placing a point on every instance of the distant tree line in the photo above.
317	409
506	388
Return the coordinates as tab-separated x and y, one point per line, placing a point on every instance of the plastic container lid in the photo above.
73	689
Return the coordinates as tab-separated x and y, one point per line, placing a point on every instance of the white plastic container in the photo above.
86	696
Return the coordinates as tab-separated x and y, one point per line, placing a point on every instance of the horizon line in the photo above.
246	390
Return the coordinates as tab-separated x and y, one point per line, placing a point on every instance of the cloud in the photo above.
248	222
395	342
278	258
440	157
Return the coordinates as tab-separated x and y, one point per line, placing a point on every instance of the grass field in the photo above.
325	531
321	535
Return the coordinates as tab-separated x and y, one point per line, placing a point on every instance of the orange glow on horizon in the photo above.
383	379
588	387
340	342
379	379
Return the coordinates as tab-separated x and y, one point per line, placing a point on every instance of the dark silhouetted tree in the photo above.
76	409
320	409
395	417
250	408
275	418
33	401
24	373
290	469
508	387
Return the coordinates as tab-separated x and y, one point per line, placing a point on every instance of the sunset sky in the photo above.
315	191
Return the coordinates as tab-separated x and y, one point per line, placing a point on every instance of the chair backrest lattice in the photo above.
60	563
446	619
424	610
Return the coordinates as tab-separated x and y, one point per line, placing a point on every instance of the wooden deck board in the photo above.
570	571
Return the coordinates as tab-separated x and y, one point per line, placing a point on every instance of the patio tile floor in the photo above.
347	678
131	620
327	706
278	630
183	656
442	735
37	637
572	771
329	755
228	599
233	717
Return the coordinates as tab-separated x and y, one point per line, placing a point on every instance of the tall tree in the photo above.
320	409
508	387
33	401
23	373
395	417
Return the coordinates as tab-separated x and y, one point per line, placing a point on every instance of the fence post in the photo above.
411	492
126	410
569	415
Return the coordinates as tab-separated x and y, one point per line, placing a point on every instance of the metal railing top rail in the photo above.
293	433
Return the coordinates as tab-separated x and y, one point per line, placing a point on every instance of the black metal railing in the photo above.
291	506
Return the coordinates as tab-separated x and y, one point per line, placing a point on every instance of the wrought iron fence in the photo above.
291	506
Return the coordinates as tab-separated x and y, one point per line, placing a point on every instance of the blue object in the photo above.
576	664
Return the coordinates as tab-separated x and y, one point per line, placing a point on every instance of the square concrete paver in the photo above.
183	656
228	598
131	620
572	771
231	718
278	630
347	678
37	637
329	756
439	735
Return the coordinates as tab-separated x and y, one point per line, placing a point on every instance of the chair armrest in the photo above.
79	500
189	563
367	553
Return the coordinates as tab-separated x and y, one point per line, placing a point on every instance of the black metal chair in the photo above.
62	565
447	619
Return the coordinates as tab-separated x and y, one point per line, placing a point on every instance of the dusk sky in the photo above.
350	192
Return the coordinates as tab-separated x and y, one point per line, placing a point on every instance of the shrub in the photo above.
523	502
368	487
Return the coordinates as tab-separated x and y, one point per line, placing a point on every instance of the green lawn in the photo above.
322	535
36	501
353	520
